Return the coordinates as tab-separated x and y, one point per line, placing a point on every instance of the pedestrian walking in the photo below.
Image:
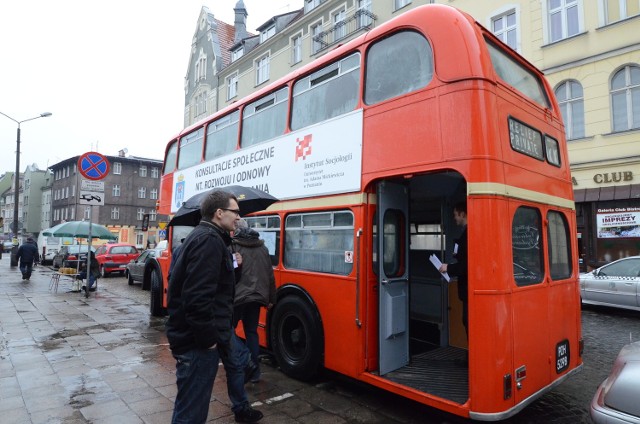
255	289
27	255
200	306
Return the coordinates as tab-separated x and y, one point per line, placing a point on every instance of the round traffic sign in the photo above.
93	165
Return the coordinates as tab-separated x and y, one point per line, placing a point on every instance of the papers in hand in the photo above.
436	262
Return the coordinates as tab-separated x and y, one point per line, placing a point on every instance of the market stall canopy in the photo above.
249	200
80	229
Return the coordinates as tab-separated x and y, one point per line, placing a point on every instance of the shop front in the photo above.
608	213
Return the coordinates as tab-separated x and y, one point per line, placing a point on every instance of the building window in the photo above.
339	27
399	4
309	5
267	33
73	214
155	172
115	213
142	193
87	212
625	98
153	215
237	53
153	195
505	28
316	42
140	214
117	168
564	19
143	170
364	8
262	70
73	191
571	101
232	86
116	190
201	67
618	10
296	49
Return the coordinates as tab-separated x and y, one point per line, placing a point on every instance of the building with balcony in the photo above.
131	191
588	49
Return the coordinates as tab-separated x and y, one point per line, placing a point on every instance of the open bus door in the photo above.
393	275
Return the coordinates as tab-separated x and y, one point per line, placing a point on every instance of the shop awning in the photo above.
631	191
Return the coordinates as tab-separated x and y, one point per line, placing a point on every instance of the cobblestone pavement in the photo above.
67	359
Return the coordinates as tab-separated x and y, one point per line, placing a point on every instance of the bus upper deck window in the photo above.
397	65
191	149
332	91
517	75
170	161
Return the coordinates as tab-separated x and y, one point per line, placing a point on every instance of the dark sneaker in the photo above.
248	415
251	371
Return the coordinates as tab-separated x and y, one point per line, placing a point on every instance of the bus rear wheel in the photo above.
297	338
155	305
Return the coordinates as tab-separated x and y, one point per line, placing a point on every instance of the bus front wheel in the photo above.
155	304
297	338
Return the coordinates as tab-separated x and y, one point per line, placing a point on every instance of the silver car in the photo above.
617	400
136	268
616	284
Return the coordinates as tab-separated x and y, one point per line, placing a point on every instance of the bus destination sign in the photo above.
525	139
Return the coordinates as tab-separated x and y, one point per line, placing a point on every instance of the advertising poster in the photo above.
618	222
321	159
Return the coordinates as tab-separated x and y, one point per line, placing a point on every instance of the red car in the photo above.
115	257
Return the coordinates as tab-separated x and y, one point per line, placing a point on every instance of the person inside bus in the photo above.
255	288
200	306
459	268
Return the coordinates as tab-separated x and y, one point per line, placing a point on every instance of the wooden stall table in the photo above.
62	272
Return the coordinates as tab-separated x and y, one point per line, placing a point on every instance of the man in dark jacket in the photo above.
27	254
460	268
200	306
255	288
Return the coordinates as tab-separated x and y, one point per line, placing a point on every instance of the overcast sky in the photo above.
111	73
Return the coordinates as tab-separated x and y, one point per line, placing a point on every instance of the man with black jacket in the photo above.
460	268
27	254
200	305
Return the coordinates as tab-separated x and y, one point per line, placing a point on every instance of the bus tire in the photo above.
297	338
155	305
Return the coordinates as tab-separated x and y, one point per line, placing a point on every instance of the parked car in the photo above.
616	284
136	268
6	246
69	256
616	400
115	257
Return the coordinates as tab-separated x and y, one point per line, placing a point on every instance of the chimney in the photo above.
240	22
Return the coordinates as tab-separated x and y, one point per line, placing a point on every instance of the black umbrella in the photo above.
249	200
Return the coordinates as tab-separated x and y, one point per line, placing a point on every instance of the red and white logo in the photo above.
303	147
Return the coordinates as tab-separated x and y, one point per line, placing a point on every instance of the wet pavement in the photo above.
67	359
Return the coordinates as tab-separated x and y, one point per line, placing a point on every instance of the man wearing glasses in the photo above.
200	305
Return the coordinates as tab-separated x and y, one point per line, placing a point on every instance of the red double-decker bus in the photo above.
368	149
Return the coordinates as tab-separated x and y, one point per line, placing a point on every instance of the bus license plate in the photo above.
562	356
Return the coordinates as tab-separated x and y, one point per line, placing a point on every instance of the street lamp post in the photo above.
16	190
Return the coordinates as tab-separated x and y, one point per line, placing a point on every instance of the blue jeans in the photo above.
249	313
234	363
26	269
83	275
195	372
